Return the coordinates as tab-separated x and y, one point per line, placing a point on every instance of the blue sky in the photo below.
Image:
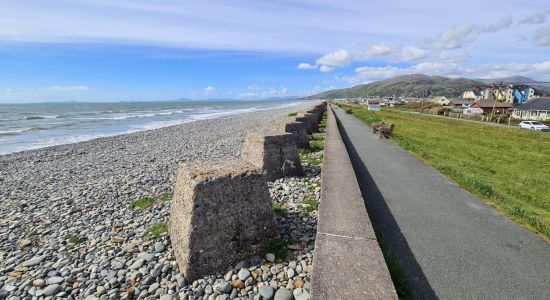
166	49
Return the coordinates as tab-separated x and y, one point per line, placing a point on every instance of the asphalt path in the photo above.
450	244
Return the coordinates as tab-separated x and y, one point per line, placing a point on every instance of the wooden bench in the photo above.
386	131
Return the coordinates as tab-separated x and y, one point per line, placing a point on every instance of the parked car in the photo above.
533	125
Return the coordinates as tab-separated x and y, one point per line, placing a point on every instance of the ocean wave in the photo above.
40	117
135	115
15	131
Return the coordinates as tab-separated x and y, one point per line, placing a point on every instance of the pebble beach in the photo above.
68	228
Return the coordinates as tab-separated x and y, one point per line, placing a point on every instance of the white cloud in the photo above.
451	39
369	74
451	57
269	92
8	90
378	50
539	71
538	18
338	58
542	36
306	66
413	53
68	88
503	23
325	69
209	90
248	95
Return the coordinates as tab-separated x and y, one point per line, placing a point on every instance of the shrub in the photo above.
74	239
279	211
278	247
156	230
309	205
142	203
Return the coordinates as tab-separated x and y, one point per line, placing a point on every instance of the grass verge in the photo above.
505	167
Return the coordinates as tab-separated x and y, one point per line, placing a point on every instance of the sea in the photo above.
32	126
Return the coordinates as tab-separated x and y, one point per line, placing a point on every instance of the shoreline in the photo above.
180	122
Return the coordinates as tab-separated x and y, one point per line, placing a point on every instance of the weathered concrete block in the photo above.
275	153
311	121
297	129
221	213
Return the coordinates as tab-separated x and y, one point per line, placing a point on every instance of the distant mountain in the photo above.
415	85
407	85
510	80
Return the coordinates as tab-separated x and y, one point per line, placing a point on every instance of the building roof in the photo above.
461	101
490	103
542	103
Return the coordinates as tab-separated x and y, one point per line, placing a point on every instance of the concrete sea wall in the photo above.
346	242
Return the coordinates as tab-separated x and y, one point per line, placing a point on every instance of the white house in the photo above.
536	109
472	94
373	104
441	100
472	111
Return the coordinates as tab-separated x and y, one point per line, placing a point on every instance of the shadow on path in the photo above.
385	226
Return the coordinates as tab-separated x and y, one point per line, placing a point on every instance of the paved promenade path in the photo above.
451	244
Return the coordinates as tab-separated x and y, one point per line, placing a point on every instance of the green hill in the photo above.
410	86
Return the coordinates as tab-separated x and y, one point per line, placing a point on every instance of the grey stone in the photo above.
243	274
159	247
204	243
39	283
166	297
300	294
255	260
241	264
266	292
33	261
270	257
148	280
275	153
146	256
208	290
54	280
10	287
234	294
51	290
222	297
153	288
137	264
283	294
223	287
157	271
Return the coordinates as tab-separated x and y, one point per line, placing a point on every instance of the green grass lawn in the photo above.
507	167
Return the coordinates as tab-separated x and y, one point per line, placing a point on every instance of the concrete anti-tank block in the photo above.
311	121
297	129
275	153
221	213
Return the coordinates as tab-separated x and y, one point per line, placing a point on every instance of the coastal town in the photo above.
494	102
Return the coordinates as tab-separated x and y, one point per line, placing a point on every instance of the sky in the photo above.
59	50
